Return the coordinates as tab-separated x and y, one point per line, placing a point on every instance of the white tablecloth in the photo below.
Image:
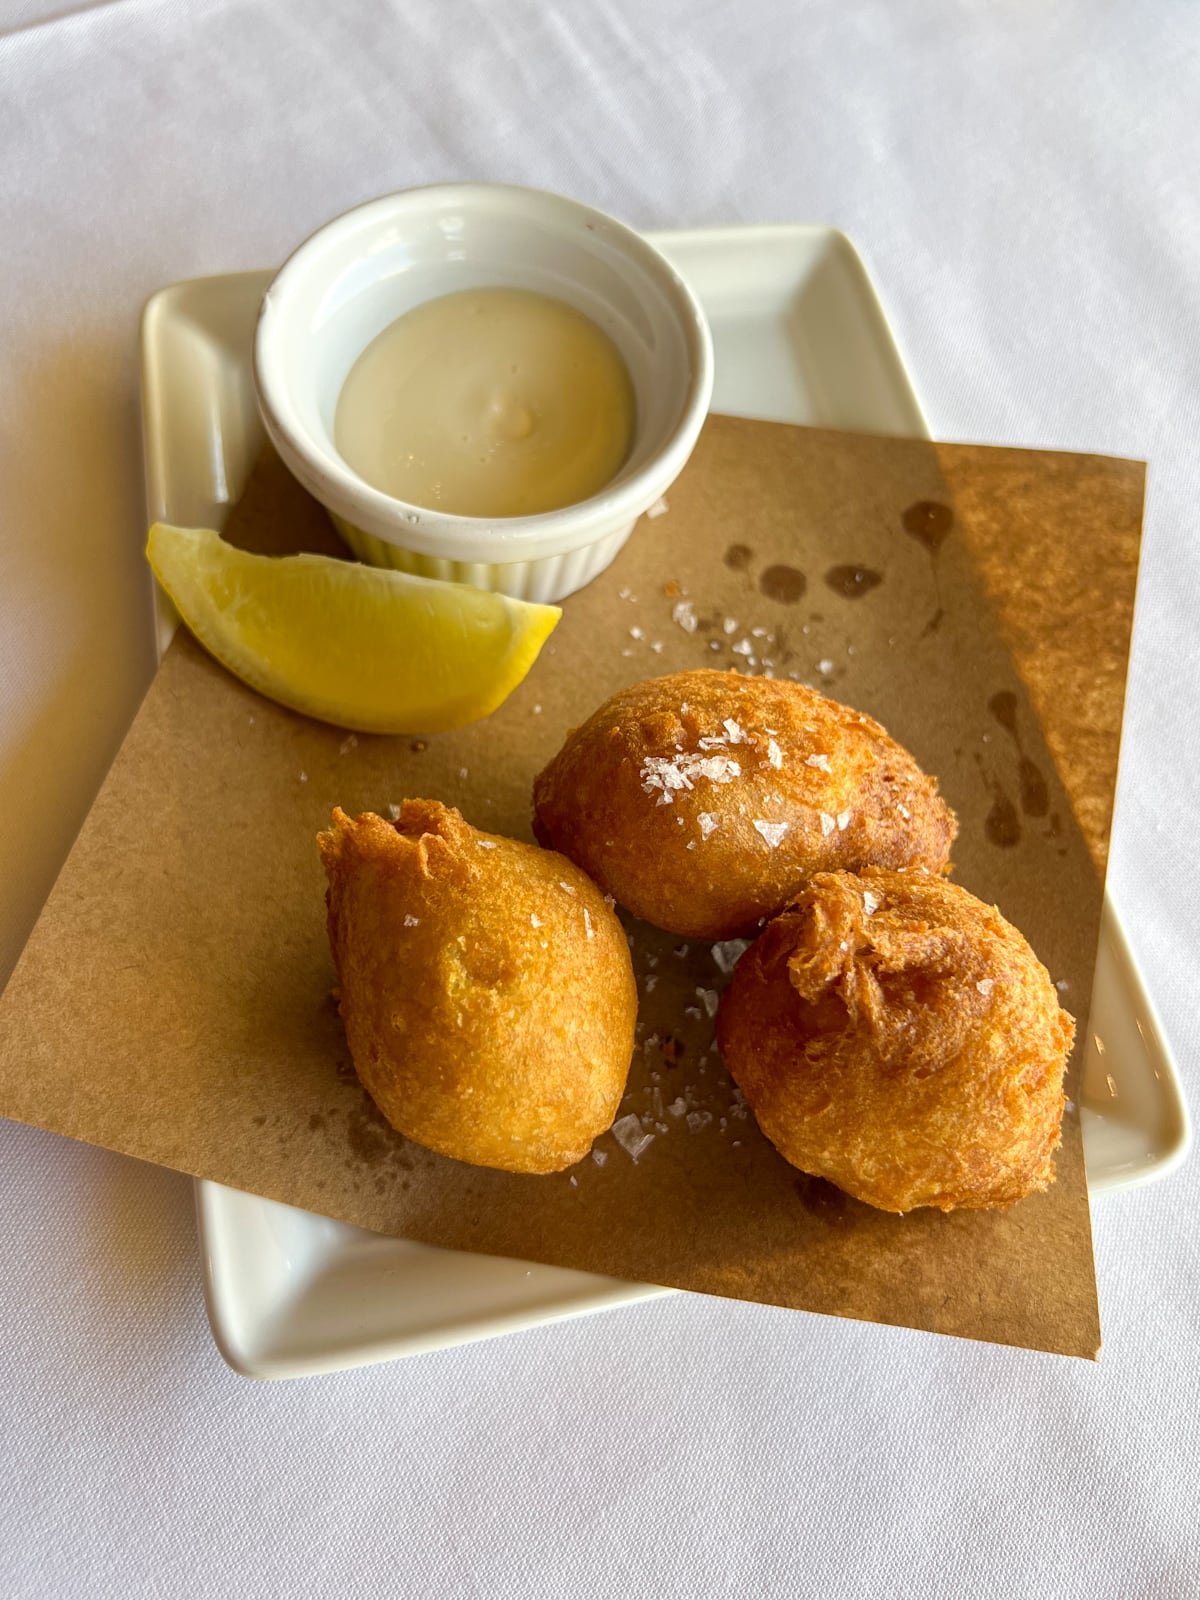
1022	180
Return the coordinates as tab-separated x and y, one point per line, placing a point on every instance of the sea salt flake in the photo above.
587	923
1062	986
758	633
651	983
870	903
677	1107
691	844
684	613
667	773
820	762
736	736
985	986
347	744
537	711
825	667
843	820
599	1157
566	887
462	772
659	508
304	777
485	844
772	832
574	1182
698	1119
727	952
410	921
708	821
535	921
394	812
657	647
693	1012
636	633
631	1136
708	999
828	824
729	625
774	754
904	812
742	648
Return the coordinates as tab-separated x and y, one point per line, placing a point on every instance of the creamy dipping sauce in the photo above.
488	403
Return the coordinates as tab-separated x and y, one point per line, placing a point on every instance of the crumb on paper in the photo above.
659	508
304	777
729	625
825	667
410	921
349	743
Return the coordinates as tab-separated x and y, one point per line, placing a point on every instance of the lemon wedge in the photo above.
363	647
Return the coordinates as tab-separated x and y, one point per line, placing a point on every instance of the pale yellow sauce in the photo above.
488	403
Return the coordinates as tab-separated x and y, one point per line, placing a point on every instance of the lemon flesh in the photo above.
363	647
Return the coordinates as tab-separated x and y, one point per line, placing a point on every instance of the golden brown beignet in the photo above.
897	1036
703	801
486	987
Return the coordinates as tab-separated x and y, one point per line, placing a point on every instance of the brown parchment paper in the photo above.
173	1000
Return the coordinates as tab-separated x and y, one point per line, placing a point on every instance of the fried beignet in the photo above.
703	801
897	1036
486	987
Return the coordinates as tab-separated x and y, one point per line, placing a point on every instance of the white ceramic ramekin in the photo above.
360	272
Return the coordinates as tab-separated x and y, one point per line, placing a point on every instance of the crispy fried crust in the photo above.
486	987
897	1036
703	801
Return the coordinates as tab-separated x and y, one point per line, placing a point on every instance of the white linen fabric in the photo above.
1022	182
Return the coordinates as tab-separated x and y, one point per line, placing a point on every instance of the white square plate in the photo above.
799	337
